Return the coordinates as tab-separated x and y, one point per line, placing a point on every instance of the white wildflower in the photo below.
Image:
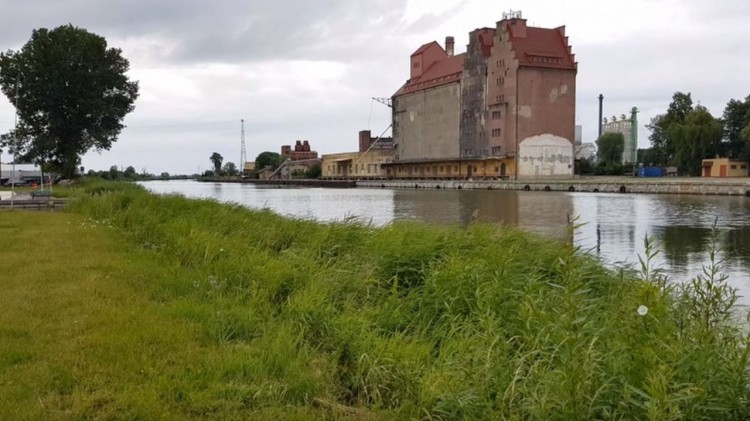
642	310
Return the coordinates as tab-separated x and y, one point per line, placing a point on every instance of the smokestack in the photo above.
450	43
601	113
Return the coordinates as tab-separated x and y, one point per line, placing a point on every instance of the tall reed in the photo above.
419	321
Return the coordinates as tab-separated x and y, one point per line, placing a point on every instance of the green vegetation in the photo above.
142	306
610	147
268	159
216	160
687	134
71	92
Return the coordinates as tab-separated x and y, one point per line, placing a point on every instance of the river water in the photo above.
612	226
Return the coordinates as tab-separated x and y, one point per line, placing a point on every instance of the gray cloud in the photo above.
224	31
271	47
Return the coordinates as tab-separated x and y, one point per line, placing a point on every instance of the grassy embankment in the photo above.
138	306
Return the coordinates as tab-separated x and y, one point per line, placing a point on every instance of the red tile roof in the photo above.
424	48
442	72
487	39
542	47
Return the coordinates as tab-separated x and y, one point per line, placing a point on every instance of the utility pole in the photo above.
13	150
601	111
243	151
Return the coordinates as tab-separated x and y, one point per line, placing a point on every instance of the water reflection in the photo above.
738	246
612	226
536	212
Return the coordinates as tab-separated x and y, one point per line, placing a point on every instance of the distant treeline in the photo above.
129	173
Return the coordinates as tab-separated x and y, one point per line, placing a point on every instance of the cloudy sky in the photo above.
296	69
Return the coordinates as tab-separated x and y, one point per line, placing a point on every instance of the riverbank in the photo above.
179	308
662	185
292	182
701	186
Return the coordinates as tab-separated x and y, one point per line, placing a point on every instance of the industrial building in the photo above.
301	151
724	167
504	108
368	162
629	129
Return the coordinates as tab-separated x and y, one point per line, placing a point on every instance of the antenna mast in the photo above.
243	151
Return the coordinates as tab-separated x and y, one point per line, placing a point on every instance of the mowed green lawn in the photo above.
80	336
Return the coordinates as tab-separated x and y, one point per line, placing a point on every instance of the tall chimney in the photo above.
601	114
450	43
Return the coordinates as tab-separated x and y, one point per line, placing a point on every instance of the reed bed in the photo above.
289	318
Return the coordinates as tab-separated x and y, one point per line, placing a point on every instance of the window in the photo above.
734	167
496	150
441	168
744	167
496	132
500	98
496	115
500	81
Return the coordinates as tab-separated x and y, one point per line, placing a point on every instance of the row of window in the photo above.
545	60
434	170
339	169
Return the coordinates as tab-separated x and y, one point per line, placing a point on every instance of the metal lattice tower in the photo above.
243	151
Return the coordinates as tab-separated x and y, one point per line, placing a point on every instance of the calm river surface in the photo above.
613	225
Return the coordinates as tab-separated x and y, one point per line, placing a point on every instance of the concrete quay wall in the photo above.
726	187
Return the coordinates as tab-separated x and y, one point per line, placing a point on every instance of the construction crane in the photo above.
388	102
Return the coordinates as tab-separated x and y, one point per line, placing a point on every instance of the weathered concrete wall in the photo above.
545	155
474	136
426	123
735	187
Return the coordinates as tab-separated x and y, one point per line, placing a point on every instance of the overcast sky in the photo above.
298	69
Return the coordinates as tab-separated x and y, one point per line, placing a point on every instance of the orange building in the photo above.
724	167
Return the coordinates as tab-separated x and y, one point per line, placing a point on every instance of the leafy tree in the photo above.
736	119
164	175
72	94
698	138
649	157
610	147
114	173
230	169
130	172
663	146
314	172
216	160
265	159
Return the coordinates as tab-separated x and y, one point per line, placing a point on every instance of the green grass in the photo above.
136	306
